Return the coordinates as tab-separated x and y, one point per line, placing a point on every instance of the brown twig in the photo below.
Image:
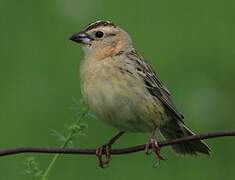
119	151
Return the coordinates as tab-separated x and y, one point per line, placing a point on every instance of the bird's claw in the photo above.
104	155
156	148
147	148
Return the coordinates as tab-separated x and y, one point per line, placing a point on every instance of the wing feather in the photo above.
153	83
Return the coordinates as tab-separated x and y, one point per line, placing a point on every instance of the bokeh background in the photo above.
190	43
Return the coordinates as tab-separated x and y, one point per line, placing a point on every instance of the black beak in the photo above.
81	37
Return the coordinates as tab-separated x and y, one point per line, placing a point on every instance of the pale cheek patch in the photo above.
87	48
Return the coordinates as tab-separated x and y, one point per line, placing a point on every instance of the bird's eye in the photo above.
99	34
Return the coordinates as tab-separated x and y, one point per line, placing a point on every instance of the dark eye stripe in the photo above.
110	34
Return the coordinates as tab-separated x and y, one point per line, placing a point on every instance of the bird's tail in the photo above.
175	129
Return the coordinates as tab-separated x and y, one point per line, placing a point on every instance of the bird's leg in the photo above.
106	150
152	143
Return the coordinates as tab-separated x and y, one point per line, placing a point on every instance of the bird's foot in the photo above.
104	154
152	143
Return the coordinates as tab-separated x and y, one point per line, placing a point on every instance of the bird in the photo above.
124	91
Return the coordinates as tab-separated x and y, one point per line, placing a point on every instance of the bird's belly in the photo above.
127	107
119	112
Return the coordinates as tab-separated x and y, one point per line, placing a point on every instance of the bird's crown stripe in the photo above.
97	24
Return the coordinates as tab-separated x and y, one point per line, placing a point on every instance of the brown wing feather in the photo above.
153	83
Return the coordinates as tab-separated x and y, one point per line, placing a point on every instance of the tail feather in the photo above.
176	129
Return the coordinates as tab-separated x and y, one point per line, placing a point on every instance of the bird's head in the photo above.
102	38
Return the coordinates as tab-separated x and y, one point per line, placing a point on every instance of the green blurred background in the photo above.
190	43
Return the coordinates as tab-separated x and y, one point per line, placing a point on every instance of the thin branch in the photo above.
87	151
